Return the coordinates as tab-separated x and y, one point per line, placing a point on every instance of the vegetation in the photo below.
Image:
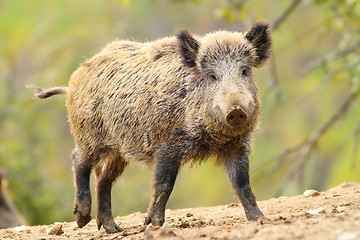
310	132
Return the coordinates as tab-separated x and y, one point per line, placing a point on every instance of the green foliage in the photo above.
42	44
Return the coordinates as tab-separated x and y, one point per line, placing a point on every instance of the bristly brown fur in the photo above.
165	102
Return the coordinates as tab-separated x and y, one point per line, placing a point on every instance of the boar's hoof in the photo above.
113	228
154	220
81	219
254	214
109	225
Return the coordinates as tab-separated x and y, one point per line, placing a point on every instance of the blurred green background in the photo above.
309	136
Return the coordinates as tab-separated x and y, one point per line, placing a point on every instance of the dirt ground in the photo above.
333	214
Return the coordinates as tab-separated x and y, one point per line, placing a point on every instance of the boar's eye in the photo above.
245	72
213	77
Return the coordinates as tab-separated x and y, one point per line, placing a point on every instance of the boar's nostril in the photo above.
236	117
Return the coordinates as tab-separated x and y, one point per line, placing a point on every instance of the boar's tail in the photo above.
45	93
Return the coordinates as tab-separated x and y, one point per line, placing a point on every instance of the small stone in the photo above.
56	229
349	236
317	211
42	230
339	209
311	193
20	228
189	215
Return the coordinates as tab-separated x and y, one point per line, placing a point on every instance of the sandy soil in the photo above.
333	214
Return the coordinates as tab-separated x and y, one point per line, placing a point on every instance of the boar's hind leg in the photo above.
237	169
105	176
82	204
167	165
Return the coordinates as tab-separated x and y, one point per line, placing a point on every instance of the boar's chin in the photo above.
234	130
219	125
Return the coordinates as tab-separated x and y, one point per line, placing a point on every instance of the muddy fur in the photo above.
164	102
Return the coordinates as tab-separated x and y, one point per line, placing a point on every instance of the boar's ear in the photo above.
188	47
259	36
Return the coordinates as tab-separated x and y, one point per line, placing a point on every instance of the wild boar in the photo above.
174	100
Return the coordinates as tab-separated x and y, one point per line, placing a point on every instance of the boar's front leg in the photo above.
237	168
168	161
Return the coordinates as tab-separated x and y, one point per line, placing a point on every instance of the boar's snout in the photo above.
236	117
